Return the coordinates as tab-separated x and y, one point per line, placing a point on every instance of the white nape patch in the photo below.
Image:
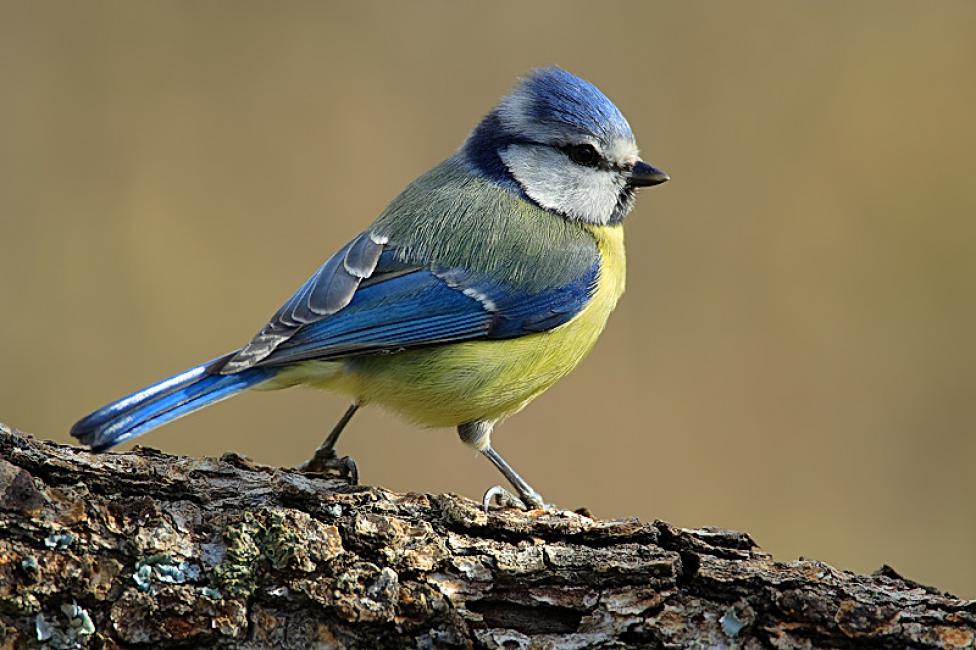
556	183
514	114
485	301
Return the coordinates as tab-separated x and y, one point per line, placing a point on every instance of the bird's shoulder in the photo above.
450	217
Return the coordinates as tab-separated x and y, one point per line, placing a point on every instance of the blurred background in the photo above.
795	355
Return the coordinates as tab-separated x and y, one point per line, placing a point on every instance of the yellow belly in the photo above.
478	380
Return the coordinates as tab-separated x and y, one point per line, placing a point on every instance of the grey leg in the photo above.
525	491
325	458
478	435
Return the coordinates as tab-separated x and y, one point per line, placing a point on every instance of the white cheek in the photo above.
556	183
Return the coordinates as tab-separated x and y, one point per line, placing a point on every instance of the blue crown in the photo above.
553	98
550	105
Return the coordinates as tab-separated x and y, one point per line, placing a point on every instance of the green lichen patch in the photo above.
235	575
275	539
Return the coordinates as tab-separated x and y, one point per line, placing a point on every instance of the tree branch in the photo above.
146	549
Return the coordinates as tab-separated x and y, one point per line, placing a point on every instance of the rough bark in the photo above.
143	549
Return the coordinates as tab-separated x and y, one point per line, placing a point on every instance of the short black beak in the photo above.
643	175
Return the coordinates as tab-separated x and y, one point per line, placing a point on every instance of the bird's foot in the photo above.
328	464
499	497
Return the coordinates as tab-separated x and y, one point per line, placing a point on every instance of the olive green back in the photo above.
448	217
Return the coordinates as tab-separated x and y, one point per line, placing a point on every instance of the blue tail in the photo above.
162	402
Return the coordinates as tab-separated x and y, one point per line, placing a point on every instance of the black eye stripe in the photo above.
584	155
600	163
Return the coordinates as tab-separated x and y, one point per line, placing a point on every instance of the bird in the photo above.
484	282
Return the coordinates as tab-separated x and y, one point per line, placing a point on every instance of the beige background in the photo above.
795	356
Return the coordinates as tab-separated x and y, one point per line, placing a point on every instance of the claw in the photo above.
342	467
499	497
350	470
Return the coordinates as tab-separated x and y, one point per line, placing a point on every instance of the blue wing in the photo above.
364	300
393	305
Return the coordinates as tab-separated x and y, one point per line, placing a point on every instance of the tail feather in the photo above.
161	403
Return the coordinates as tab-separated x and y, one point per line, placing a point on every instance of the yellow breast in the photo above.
480	380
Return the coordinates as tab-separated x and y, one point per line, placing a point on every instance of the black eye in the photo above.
583	154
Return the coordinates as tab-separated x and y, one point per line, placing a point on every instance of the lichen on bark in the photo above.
143	549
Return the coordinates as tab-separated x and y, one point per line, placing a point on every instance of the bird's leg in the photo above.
529	497
478	435
324	459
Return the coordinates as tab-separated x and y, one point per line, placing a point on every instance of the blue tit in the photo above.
480	286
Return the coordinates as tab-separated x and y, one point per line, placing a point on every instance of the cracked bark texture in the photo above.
143	549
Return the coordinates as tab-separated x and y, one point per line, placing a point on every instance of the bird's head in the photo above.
558	140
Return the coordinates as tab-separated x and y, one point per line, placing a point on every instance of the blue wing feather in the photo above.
414	308
325	293
411	308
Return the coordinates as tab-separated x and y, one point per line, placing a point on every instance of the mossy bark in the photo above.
143	549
